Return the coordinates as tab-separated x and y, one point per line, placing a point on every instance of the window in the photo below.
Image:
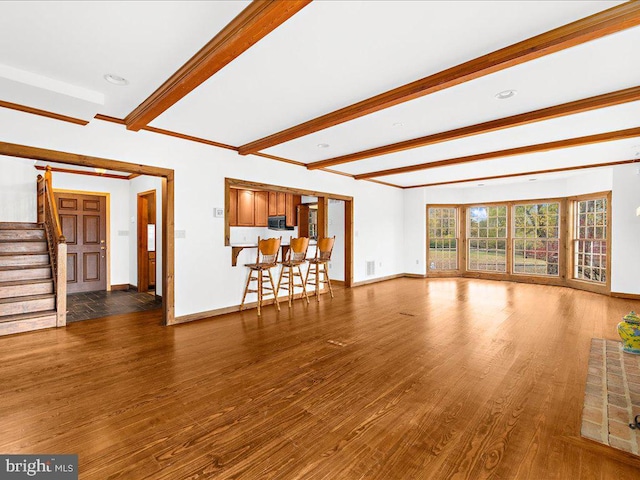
487	238
443	238
536	239
590	240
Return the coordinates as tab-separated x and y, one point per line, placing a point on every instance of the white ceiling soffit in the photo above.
77	43
569	157
45	93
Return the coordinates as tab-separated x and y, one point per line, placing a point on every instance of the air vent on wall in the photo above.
371	268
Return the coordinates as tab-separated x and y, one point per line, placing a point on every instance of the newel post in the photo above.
40	199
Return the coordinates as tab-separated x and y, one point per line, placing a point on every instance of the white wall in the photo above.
18	190
204	277
335	218
140	184
625	225
622	180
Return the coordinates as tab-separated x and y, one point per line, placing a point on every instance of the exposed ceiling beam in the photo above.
84	172
571	108
540	147
36	153
252	24
589	28
525	174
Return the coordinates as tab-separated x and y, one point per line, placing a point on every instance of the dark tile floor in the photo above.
84	306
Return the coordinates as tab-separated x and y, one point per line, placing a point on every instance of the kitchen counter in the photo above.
236	248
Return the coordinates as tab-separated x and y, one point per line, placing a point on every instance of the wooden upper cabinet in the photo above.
297	201
291	208
233	207
303	225
273	210
281	208
261	209
252	209
246	208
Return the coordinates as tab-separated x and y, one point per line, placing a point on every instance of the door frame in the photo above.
107	196
141	238
168	193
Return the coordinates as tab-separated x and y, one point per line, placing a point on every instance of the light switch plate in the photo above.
218	212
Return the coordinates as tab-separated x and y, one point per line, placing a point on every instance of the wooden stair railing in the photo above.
48	216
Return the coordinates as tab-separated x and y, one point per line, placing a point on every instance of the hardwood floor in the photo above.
405	379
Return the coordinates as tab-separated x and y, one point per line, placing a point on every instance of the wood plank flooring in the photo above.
405	379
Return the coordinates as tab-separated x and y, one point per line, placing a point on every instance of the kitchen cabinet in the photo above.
291	209
281	207
246	208
261	209
272	204
233	207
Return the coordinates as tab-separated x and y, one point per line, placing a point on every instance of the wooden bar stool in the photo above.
296	256
266	259
319	265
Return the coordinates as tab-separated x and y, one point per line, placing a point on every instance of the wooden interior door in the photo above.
83	219
146	250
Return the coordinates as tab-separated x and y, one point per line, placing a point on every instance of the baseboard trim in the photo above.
133	287
192	317
628	296
414	275
122	286
380	279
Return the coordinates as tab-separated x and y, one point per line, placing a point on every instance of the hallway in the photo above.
90	305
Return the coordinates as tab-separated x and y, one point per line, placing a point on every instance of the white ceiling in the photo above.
327	56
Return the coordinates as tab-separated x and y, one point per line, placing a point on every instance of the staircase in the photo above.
27	299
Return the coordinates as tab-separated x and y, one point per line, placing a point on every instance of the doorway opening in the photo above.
146	243
166	177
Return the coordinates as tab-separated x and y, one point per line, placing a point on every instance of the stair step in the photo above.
23	288
22	225
19	234
26	272
21	259
26	246
26	322
31	303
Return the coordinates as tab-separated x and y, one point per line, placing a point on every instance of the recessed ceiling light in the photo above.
506	94
481	184
116	80
398	124
100	171
323	145
533	179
